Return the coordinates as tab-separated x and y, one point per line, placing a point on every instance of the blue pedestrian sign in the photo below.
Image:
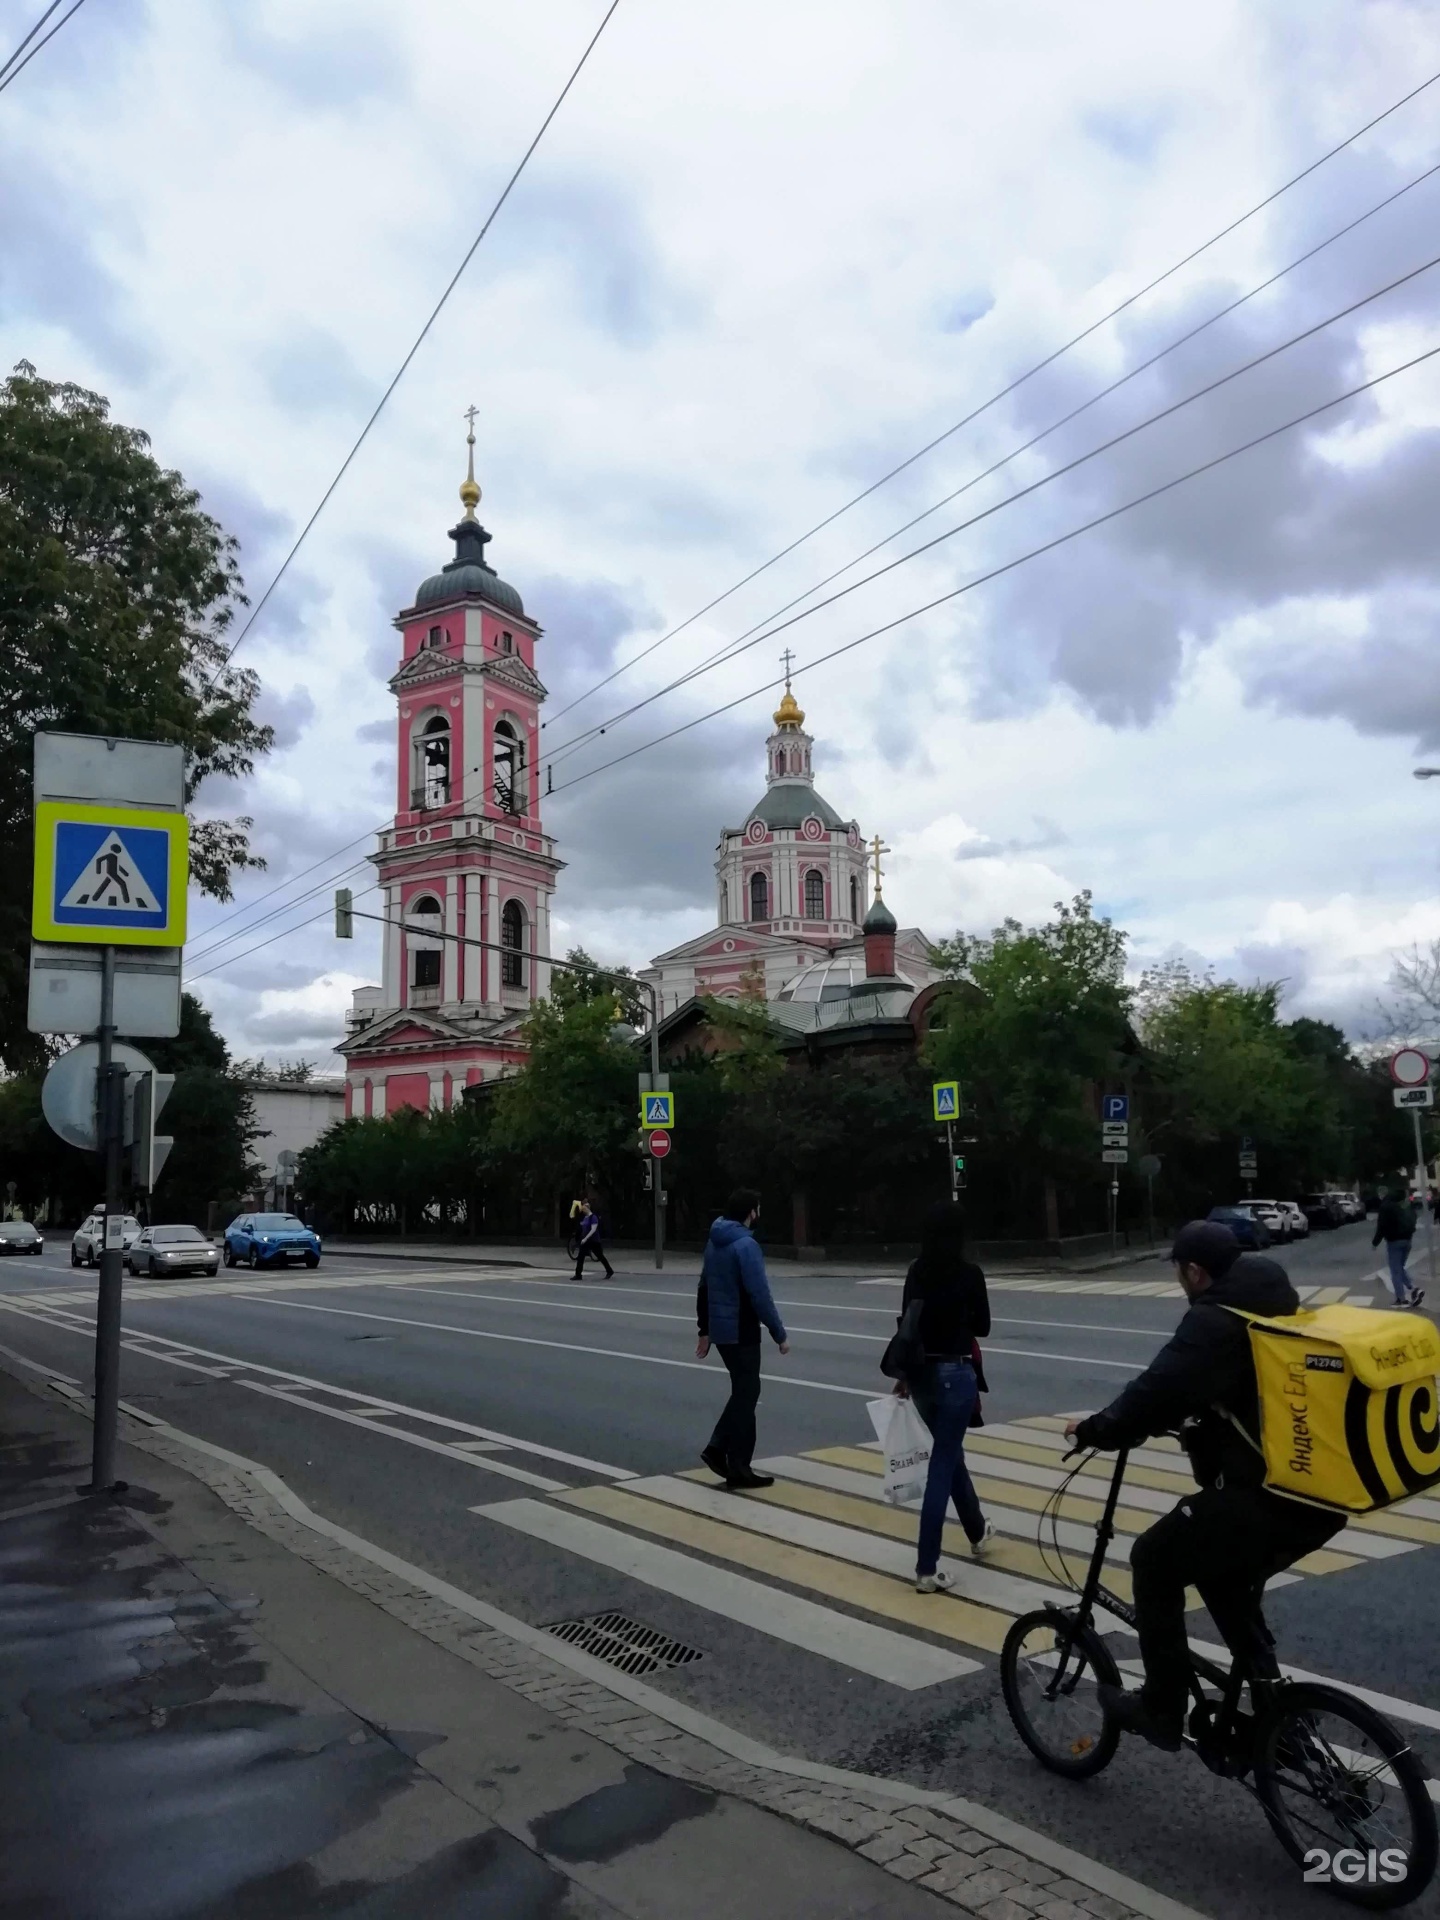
947	1099
109	874
657	1110
1115	1106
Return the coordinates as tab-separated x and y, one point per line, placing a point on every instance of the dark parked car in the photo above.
1322	1210
18	1236
270	1239
1245	1227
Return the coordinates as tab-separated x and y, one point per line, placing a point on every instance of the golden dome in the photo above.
789	713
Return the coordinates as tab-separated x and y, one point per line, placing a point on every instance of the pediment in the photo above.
405	1026
711	945
511	671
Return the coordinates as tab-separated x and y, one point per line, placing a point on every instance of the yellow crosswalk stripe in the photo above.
877	1593
1101	1469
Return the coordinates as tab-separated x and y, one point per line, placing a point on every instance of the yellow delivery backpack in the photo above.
1348	1410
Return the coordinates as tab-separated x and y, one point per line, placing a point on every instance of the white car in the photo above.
1285	1219
1271	1216
160	1250
89	1241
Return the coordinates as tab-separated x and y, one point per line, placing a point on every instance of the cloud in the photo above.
343	62
288	713
310	372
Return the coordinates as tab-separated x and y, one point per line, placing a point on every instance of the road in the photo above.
536	1443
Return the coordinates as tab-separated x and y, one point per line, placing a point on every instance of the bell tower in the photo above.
467	854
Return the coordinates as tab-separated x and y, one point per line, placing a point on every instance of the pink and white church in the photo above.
467	854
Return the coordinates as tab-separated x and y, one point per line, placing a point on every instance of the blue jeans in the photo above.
1397	1252
944	1397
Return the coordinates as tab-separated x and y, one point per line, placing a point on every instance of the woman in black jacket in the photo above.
954	1314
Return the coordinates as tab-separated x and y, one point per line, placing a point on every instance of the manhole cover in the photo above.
624	1643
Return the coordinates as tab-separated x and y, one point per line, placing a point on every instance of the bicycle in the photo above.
1333	1777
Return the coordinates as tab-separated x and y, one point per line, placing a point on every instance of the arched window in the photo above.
430	772
759	897
422	922
854	898
509	768
814	895
512	939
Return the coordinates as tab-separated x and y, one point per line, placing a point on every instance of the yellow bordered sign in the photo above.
657	1110
109	875
946	1095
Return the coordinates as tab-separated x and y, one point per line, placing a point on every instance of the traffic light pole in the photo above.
1422	1180
950	1151
110	1101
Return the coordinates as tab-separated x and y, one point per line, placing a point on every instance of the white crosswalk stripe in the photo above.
823	1536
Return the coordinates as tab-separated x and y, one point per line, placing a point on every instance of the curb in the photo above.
981	1861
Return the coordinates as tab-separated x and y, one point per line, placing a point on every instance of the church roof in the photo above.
469	573
788	802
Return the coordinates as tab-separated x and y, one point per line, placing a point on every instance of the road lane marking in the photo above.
373	1401
857	1644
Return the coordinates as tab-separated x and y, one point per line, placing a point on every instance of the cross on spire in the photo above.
877	847
787	660
469	487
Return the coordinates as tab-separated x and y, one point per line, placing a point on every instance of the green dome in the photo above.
879	919
469	572
789	802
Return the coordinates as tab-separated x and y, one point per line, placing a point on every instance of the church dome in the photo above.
463	576
879	919
839	977
788	802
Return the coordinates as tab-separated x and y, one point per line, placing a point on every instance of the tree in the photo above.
1045	1019
616	985
116	593
209	1117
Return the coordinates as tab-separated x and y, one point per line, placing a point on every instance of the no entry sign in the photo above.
659	1142
1410	1067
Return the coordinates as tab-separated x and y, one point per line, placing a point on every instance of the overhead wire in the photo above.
419	341
14	55
235	958
325	860
11	71
1009	566
207	949
1004	392
762	628
1054	474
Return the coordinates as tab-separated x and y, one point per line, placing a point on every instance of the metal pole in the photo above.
1150	1205
657	1177
111	1104
950	1149
1114	1217
1422	1179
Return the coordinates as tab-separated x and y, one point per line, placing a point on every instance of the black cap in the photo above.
1207	1244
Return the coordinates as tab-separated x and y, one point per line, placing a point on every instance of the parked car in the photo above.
1295	1215
1250	1232
1322	1210
1350	1205
89	1240
270	1239
1271	1215
172	1250
18	1236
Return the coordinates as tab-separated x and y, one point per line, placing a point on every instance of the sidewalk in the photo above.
686	1265
217	1705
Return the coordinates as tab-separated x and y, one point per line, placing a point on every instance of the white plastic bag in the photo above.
905	1442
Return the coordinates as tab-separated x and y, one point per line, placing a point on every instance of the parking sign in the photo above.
1115	1106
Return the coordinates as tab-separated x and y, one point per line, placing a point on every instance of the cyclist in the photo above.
1233	1535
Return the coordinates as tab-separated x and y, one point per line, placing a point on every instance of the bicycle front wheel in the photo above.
1345	1795
1049	1669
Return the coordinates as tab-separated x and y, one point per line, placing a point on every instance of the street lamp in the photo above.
1427	773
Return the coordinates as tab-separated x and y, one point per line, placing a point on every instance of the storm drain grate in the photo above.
624	1643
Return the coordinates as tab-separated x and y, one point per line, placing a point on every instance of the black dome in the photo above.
879	919
469	572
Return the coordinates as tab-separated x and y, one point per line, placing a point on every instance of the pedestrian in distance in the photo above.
732	1303
1395	1225
588	1242
945	1383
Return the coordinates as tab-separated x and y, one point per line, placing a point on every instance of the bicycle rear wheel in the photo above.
1337	1780
1049	1668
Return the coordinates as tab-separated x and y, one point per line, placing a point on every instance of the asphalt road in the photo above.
399	1399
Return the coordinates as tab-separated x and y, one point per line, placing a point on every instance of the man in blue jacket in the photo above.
732	1303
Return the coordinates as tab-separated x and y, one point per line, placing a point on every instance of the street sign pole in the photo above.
1422	1178
950	1149
110	1089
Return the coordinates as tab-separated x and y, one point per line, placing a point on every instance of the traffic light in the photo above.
344	914
959	1173
148	1150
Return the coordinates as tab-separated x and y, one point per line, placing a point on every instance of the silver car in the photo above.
161	1250
89	1241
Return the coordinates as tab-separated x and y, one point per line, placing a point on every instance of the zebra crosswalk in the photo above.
819	1560
1368	1290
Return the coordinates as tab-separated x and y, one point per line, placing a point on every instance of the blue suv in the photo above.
270	1239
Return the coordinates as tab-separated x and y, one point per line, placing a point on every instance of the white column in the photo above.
377	1098
437	1089
473	957
492	933
390	973
450	957
541	988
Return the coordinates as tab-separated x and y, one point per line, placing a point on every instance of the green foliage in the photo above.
116	592
572	1116
617	986
396	1171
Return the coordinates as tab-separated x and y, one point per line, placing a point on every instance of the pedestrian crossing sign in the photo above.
947	1099
109	875
657	1110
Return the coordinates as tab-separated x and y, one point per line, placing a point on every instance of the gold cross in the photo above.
787	660
877	847
469	414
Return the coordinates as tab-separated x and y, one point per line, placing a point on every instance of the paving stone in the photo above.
888	1845
907	1867
1104	1908
1003	1907
986	1884
929	1848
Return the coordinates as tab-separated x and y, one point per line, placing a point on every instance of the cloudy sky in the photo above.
765	253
